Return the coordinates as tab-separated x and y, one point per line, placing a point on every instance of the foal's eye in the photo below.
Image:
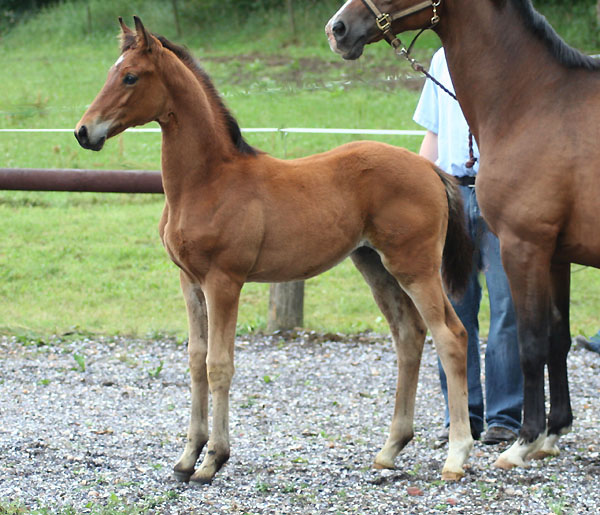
129	79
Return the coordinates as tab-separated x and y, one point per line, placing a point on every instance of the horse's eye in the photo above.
129	79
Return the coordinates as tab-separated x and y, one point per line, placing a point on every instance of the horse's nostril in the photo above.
82	132
339	29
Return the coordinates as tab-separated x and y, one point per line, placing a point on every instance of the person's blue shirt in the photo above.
451	128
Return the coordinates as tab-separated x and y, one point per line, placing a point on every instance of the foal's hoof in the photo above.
380	466
183	476
448	475
201	479
381	463
504	464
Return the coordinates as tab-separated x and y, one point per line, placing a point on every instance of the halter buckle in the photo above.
384	22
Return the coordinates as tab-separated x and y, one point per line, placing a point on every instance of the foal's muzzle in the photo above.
83	137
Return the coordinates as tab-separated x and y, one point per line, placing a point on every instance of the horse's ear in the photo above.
143	36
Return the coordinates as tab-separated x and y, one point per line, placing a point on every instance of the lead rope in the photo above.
400	51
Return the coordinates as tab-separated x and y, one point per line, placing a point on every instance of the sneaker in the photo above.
589	344
498	434
444	435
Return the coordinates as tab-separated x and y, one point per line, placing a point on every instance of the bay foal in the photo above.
233	214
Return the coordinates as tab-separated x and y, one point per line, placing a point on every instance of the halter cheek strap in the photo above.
384	20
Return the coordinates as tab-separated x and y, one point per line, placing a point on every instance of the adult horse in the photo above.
533	104
233	214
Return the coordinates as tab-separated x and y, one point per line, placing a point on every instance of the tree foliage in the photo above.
201	11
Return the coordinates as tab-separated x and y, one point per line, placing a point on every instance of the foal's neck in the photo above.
194	140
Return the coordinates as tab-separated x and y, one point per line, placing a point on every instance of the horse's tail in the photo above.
457	258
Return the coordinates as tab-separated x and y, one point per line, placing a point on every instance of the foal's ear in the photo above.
126	30
143	36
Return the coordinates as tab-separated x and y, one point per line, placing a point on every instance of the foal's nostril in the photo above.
82	134
339	29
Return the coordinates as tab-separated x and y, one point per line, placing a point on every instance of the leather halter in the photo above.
384	20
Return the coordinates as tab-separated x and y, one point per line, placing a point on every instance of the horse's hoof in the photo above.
543	454
183	476
448	475
501	463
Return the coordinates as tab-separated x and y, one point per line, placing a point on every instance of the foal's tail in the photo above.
457	258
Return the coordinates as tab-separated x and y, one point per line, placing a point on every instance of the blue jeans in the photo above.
503	377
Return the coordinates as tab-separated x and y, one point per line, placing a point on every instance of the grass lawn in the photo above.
93	262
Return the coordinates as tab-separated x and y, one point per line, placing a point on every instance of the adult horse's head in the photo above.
360	22
133	93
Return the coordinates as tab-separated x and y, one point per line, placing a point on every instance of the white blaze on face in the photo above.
118	61
330	23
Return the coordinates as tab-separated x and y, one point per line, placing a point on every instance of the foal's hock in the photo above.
234	214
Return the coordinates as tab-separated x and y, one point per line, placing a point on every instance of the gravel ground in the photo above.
95	425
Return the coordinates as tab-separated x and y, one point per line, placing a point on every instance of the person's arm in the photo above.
429	146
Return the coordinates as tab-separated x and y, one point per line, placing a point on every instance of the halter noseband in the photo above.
384	20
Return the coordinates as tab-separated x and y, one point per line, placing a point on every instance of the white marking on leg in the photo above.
516	455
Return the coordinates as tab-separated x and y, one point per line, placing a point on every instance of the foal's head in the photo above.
133	94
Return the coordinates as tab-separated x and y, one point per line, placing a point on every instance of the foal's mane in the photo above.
129	40
565	54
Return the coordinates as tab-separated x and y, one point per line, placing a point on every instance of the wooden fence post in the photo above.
286	306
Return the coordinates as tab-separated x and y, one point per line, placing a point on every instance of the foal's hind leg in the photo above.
561	416
450	339
197	435
408	333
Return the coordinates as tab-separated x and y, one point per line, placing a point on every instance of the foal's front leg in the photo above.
197	435
222	297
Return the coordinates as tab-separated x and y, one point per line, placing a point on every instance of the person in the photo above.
447	144
592	343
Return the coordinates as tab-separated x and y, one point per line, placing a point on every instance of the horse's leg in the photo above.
561	416
222	298
450	339
197	435
408	332
528	271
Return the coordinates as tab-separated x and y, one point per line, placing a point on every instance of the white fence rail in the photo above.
283	130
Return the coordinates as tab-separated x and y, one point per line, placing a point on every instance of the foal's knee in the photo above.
197	362
219	374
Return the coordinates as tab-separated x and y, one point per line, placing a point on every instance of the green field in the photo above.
93	262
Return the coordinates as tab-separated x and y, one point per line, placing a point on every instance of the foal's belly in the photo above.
293	262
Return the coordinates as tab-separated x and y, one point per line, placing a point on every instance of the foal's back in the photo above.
315	211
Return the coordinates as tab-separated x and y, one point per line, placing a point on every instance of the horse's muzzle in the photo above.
342	41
